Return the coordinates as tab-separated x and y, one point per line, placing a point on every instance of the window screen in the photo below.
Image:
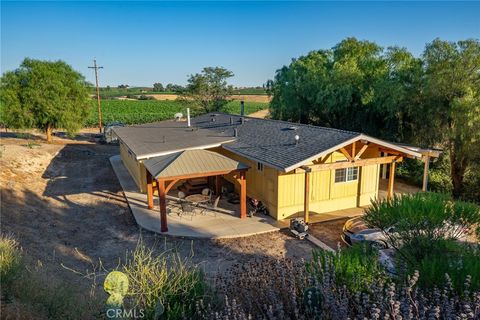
345	175
340	175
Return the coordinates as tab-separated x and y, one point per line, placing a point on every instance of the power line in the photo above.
98	93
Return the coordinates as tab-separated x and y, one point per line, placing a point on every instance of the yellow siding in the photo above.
325	194
261	185
136	169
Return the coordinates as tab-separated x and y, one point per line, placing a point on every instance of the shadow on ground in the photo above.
80	217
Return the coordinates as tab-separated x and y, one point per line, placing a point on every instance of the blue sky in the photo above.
139	43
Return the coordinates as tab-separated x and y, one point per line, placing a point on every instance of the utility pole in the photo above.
98	94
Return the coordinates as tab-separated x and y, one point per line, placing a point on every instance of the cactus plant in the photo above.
116	285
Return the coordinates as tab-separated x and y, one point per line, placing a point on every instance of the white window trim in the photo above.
346	175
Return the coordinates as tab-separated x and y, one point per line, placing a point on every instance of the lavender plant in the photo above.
286	289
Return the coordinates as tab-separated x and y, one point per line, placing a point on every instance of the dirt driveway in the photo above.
63	203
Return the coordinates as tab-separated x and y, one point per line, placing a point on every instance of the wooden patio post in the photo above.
218	185
426	166
391	180
243	195
149	190
359	186
306	197
163	205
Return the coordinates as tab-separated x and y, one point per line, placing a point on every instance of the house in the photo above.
292	168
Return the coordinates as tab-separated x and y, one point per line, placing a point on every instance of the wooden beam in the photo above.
346	154
243	195
360	152
358	163
170	185
391	181
354	145
163	205
426	166
306	197
149	190
202	175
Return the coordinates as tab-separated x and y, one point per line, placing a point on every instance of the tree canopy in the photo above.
389	93
158	87
44	95
209	89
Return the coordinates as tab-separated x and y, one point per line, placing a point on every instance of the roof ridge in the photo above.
288	122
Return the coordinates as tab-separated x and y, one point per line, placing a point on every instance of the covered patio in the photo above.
225	223
166	171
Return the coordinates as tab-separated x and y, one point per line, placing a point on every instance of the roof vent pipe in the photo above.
235	132
242	120
242	108
188	117
297	137
231	120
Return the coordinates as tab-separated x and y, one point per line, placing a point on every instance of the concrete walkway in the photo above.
212	225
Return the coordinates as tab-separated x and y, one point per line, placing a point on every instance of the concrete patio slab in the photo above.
223	225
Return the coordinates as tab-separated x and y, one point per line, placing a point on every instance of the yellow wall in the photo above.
325	194
136	168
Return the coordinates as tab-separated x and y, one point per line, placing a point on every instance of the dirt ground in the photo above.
63	203
262	114
329	232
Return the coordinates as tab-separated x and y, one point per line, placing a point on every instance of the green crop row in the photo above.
144	111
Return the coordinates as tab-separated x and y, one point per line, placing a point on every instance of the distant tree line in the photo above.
432	100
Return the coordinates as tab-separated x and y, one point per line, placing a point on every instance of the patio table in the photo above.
197	198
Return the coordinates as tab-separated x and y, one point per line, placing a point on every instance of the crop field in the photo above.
143	111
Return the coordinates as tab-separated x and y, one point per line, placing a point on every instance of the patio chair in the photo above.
187	210
213	206
175	207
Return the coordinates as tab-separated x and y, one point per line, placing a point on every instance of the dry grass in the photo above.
244	97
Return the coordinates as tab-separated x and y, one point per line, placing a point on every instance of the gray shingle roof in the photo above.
272	142
190	162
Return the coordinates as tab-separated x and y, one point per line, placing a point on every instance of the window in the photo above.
259	166
345	175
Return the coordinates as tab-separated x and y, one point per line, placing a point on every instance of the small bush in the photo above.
10	263
166	279
356	267
262	282
458	260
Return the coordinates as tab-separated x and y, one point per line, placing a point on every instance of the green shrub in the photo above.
10	263
458	260
166	279
440	181
427	215
356	267
472	184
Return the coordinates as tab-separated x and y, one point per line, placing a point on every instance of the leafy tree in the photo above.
158	87
44	95
451	113
433	100
342	87
209	89
174	88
